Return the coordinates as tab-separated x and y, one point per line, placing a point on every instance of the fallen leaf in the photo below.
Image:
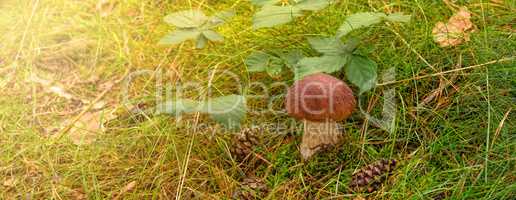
106	86
32	168
60	91
128	188
509	28
105	7
78	194
89	126
11	182
85	130
456	31
56	179
99	105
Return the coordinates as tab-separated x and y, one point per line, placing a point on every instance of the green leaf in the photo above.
274	66
361	71
351	45
224	15
213	36
186	18
302	71
365	19
359	20
201	42
313	5
398	17
292	57
270	16
326	64
257	62
178	107
326	45
265	2
333	46
179	36
227	110
220	18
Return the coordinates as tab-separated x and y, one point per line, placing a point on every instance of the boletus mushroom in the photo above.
320	101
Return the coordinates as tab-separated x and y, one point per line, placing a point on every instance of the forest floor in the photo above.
453	131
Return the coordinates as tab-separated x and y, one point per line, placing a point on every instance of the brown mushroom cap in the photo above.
320	97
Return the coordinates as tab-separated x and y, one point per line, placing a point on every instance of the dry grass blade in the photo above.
500	125
447	72
52	88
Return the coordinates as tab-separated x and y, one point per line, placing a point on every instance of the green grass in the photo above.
450	145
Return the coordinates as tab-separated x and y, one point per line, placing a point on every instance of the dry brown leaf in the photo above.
99	105
105	7
456	31
86	129
128	188
60	92
10	183
89	126
509	28
6	75
78	194
32	168
359	198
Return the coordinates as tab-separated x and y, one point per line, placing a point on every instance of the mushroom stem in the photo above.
317	136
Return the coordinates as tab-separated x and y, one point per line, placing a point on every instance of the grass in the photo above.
459	145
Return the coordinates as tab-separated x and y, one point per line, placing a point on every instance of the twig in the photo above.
446	72
259	156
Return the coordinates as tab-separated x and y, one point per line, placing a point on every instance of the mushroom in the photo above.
320	101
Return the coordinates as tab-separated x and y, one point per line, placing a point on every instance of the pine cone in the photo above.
251	189
372	176
244	142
